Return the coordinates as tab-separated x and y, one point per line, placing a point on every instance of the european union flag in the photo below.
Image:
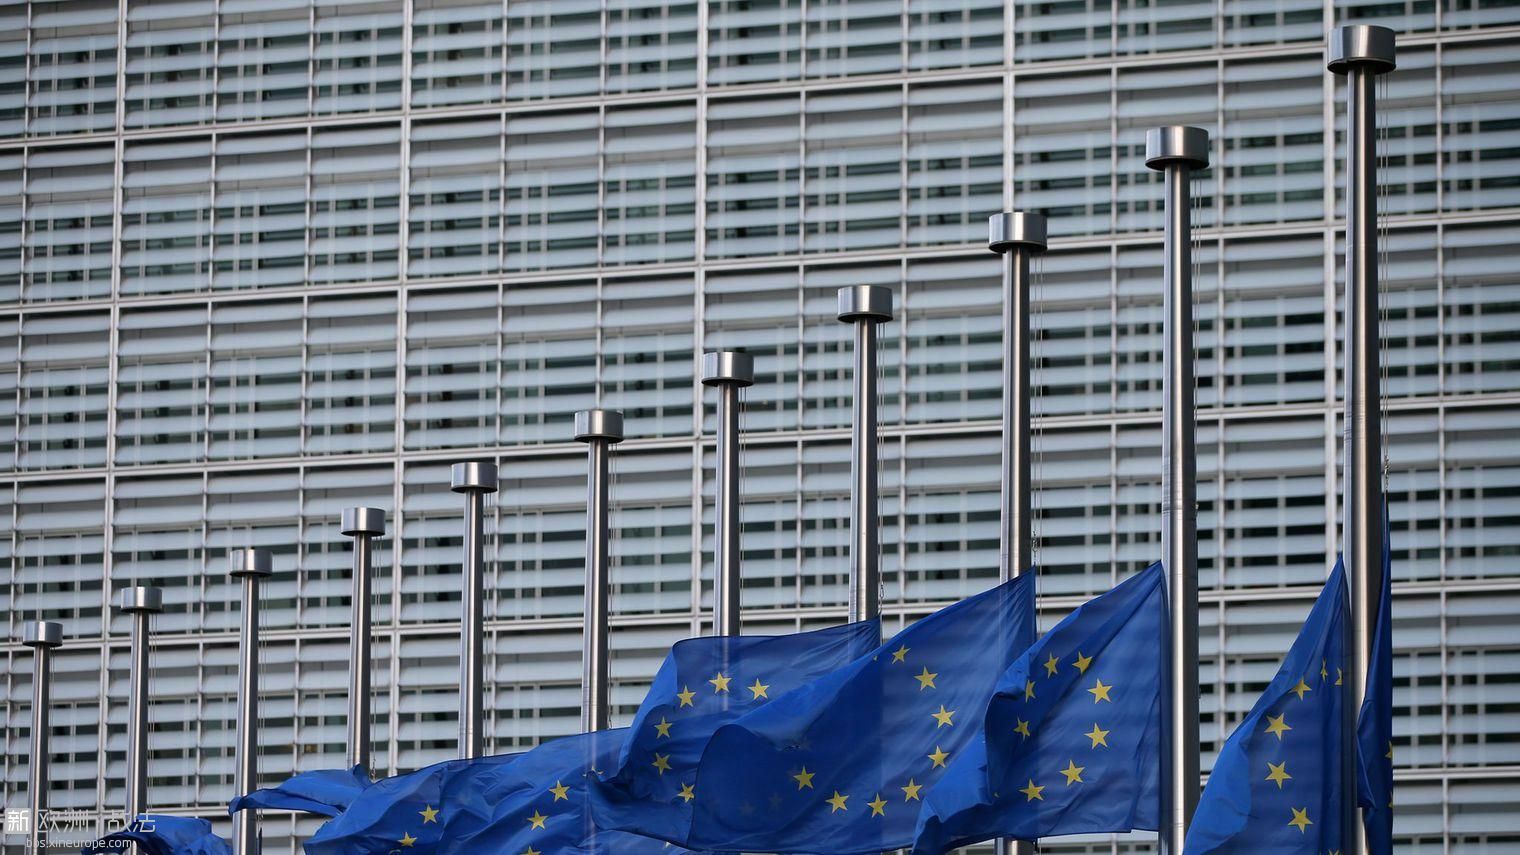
841	764
1070	743
325	792
703	684
1276	786
156	834
505	805
1375	724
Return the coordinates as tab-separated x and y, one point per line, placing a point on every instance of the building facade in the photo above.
261	260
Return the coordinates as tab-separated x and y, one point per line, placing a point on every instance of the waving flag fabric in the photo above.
156	834
1276	786
1375	724
325	792
1071	738
841	764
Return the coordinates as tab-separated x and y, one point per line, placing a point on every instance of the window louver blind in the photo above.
1273	149
12	199
1479	119
853	37
351	374
13	68
166	217
853	174
354	206
261	206
1272	328
72	66
753	40
552	166
827	347
1481	309
957	34
648	355
758	312
67	226
754	163
548	359
453	365
255	389
169	63
649	179
955	161
263	59
356	59
58	551
161	385
1147	98
1249	22
951	314
1063	151
458	52
651	45
64	383
1142	27
456	198
553	48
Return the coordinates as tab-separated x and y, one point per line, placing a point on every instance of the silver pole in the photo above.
729	371
251	566
363	525
1361	53
1177	150
865	306
600	430
1016	235
43	636
141	603
474	480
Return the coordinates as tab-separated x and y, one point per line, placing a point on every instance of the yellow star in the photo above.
560	791
900	653
407	839
1278	772
662	729
1051	664
1276	726
758	690
878	807
838	802
1032	792
1324	673
1073	773
661	762
943	717
1339	676
1083	663
1100	692
687	792
804	778
1300	689
1022	729
1300	819
532	851
720	683
926	680
910	792
686	695
1389	755
429	814
1029	690
536	820
1098	736
938	757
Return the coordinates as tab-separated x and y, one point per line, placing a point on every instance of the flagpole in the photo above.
474	480
728	371
363	525
251	566
1016	236
865	306
600	430
141	603
43	636
1361	53
1177	150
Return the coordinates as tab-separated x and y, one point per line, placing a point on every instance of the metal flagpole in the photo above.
141	603
474	480
1016	235
729	371
363	525
600	430
865	306
251	566
43	636
1361	53
1177	150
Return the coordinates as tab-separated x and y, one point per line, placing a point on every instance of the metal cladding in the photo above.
141	599
42	633
1016	228
370	521
865	303
728	366
605	425
1177	144
251	562
474	476
1364	45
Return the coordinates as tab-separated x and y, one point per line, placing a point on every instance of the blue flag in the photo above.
505	805
156	834
325	792
1276	786
841	764
1374	727
1071	739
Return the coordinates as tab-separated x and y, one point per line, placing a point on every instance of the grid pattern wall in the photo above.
261	261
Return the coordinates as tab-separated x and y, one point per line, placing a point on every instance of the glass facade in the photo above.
261	260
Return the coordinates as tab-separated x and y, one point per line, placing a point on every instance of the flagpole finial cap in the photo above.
142	599
599	426
362	521
1361	45
42	633
865	303
728	366
1016	228
473	477
1177	144
253	562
